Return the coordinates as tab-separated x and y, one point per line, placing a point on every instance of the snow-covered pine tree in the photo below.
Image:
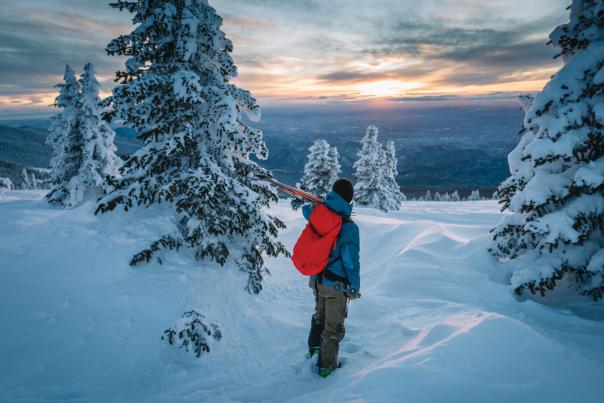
475	196
65	139
334	161
437	197
5	185
455	196
370	189
83	151
320	172
394	195
428	196
175	92
555	191
99	160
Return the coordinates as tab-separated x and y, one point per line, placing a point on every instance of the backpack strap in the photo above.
331	276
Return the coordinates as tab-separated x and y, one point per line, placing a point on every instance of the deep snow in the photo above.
435	323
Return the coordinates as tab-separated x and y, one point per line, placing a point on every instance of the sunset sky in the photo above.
314	51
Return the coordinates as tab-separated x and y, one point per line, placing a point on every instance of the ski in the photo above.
291	190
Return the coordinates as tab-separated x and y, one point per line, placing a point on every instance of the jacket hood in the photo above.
338	205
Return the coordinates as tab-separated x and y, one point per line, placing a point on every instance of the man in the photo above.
338	283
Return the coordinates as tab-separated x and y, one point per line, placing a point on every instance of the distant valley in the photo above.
442	148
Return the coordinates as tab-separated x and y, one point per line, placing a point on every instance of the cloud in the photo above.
303	49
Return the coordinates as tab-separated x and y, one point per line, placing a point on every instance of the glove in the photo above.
353	294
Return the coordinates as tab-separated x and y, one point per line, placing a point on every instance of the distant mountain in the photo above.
25	146
441	148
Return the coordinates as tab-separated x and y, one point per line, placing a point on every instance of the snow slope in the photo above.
436	321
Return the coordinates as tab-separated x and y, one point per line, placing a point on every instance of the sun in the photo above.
386	88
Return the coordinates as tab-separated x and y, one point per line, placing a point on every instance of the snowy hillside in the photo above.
435	322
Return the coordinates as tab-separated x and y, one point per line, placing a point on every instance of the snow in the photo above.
437	320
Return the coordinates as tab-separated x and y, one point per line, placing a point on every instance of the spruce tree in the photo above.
320	172
393	191
65	140
99	159
83	150
5	185
175	92
555	191
334	164
369	188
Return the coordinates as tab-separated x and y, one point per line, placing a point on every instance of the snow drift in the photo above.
437	321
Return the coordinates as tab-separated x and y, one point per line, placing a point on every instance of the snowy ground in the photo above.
434	324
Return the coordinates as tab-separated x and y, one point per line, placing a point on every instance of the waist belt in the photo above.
331	276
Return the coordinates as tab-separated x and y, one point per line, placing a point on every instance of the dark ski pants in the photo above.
327	326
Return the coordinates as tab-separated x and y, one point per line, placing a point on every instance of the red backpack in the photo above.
311	251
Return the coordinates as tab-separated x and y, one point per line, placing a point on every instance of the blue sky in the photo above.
305	50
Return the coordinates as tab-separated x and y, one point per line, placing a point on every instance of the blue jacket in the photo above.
344	259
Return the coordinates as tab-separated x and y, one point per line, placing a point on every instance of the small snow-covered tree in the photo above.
320	172
65	139
475	196
428	196
5	185
393	194
334	161
83	151
370	189
175	92
555	191
376	172
437	197
99	160
455	196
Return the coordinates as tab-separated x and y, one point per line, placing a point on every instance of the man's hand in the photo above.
353	294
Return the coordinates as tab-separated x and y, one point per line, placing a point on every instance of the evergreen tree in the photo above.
66	142
334	161
394	195
455	196
175	92
83	151
475	196
369	190
99	160
320	172
5	184
555	191
428	196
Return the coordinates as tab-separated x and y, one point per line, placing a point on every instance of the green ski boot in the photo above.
313	352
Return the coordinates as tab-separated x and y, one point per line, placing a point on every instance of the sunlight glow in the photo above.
387	88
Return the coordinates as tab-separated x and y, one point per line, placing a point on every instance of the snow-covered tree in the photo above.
428	196
320	172
83	151
5	184
555	191
175	92
437	197
65	139
455	196
334	160
99	160
368	170
393	191
371	169
475	196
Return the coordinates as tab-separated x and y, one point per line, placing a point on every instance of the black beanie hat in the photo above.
344	188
